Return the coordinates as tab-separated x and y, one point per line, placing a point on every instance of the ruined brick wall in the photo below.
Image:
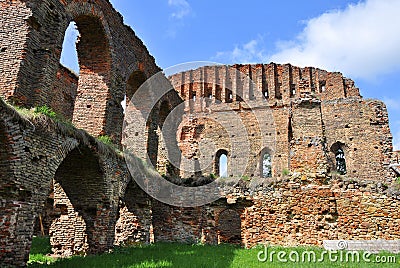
288	212
295	114
109	54
64	92
135	215
299	116
31	154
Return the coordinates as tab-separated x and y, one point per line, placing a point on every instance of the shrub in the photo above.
46	110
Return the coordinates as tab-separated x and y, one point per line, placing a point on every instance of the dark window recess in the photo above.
341	162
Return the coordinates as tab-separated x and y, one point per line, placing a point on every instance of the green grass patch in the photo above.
192	256
39	251
106	140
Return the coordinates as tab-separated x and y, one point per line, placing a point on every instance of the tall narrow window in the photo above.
341	162
221	163
266	165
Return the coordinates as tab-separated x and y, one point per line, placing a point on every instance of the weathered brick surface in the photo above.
109	53
64	92
297	115
32	153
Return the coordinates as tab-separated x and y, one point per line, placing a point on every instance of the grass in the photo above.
162	255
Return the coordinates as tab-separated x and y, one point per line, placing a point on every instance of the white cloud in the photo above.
251	52
361	41
182	7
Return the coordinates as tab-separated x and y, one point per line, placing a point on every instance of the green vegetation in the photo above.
245	178
398	180
106	140
39	250
181	255
42	110
285	172
46	110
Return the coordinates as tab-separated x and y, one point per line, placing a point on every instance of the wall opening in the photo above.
228	95
229	227
80	192
90	56
340	162
69	54
221	163
135	80
322	86
266	164
338	150
218	94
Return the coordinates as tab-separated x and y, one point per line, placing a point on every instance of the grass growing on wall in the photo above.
192	256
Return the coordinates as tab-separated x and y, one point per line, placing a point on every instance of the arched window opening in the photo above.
322	86
337	149
292	90
266	165
221	163
69	54
265	93
228	96
340	162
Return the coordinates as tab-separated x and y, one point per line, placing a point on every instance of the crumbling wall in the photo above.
298	114
135	214
33	151
64	92
291	212
109	52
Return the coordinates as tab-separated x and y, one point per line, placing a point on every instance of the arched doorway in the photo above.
81	198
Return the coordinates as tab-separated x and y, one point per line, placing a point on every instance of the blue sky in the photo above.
361	39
